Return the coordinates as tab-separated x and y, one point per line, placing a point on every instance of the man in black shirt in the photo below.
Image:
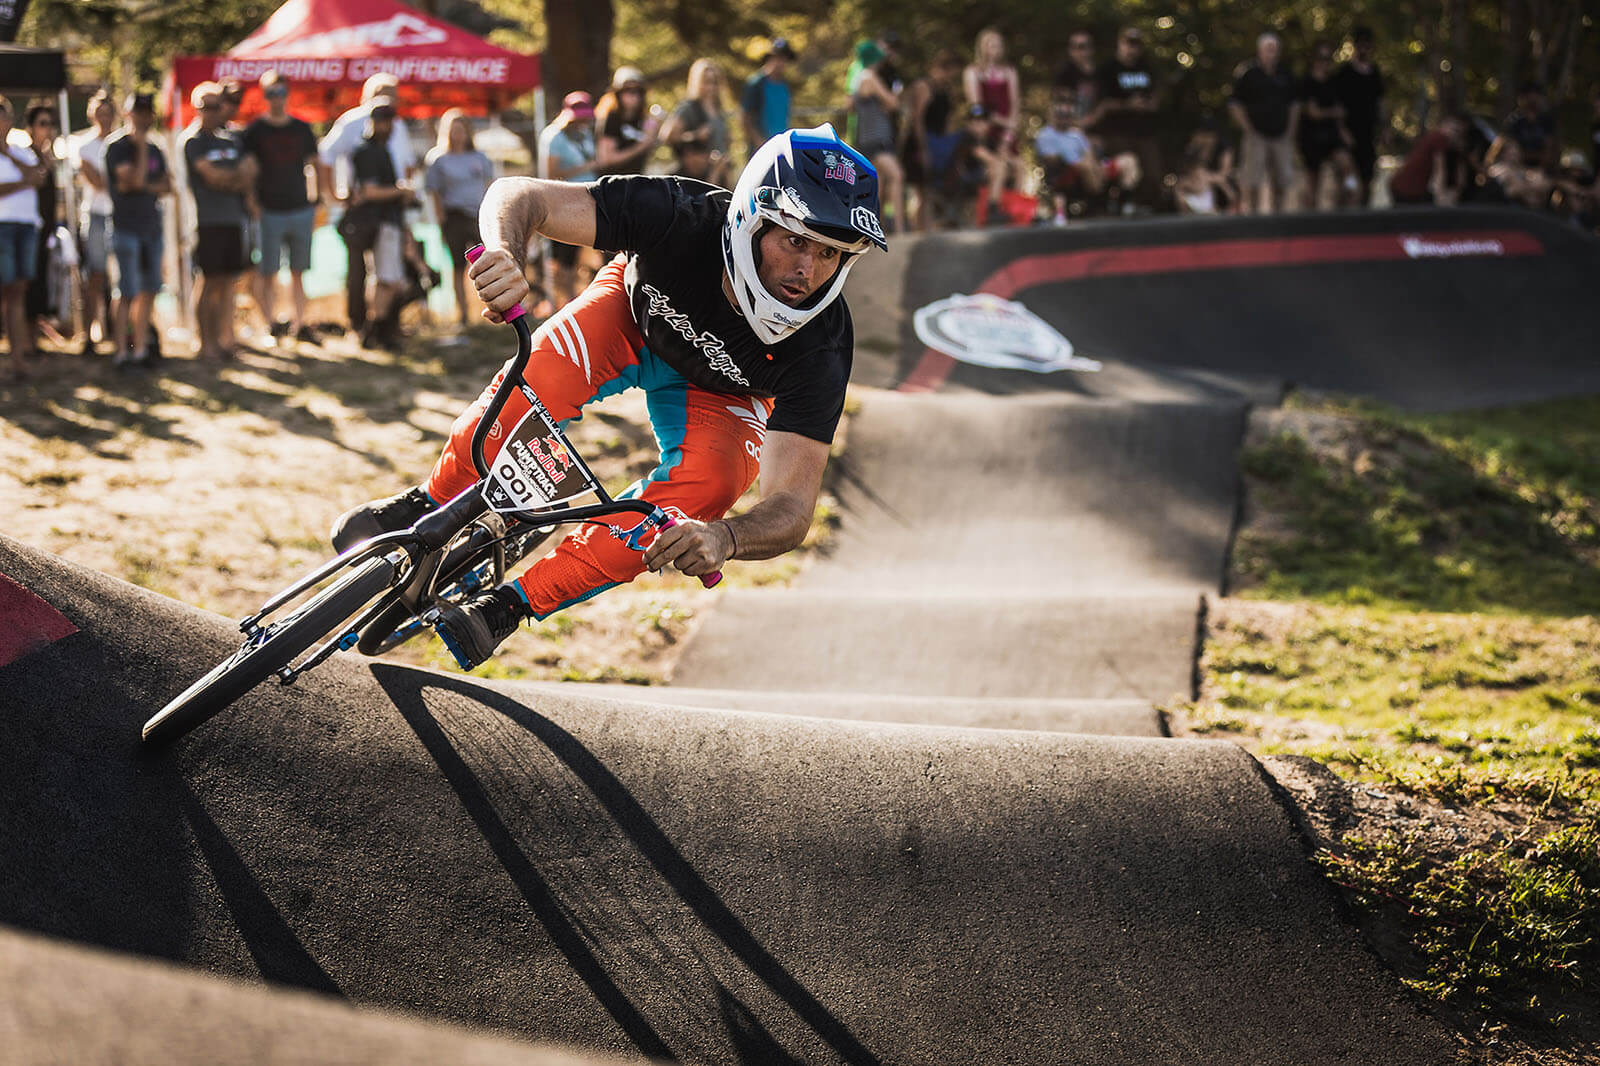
1078	79
1124	119
283	147
1265	105
1532	125
372	224
726	309
1359	86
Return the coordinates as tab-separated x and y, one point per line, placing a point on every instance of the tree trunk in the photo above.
577	52
1513	45
1457	82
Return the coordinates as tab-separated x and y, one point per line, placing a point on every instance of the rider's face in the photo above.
793	267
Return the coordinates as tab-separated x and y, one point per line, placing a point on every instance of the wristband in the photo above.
731	537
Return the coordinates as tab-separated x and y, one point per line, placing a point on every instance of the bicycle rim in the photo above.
260	658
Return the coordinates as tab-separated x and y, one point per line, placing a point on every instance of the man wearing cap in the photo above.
139	178
566	153
221	176
337	149
283	146
764	103
373	222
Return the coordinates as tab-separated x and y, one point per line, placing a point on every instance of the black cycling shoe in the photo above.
475	629
390	515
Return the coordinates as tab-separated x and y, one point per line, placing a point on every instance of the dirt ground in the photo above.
216	484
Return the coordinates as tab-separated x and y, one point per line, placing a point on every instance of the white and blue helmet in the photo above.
810	183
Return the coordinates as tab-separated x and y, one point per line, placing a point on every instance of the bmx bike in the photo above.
386	590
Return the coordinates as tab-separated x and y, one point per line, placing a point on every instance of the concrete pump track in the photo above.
918	809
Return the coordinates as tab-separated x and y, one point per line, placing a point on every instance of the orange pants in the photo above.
710	443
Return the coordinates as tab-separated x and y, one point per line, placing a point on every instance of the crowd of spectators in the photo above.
953	144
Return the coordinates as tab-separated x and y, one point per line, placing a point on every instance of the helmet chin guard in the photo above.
812	184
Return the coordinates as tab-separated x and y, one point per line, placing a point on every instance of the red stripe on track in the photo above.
27	623
1034	270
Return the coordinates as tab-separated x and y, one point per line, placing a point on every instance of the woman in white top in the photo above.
20	178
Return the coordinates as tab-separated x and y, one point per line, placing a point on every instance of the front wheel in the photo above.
270	650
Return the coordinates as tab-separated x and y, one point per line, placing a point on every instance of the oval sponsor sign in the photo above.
986	330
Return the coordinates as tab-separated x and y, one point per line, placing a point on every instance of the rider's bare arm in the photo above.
513	211
791	479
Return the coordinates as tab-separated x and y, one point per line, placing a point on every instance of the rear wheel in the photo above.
271	649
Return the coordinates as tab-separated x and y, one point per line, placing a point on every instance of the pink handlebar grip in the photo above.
710	580
516	309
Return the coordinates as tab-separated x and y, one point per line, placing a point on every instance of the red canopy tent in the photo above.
328	48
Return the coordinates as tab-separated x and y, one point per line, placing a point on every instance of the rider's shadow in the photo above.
671	963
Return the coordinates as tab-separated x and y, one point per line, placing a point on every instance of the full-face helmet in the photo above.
811	183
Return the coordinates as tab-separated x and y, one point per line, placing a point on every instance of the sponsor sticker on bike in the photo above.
535	468
986	330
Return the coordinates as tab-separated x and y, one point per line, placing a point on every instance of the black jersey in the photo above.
671	230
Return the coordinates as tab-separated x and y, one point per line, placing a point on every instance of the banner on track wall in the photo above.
986	330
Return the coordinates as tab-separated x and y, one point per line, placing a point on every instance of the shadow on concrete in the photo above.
405	688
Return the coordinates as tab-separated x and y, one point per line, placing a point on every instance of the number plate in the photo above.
535	468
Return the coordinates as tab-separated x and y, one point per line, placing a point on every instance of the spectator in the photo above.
764	103
926	140
1532	126
991	83
1264	105
1435	170
374	221
337	149
139	178
1078	79
973	165
283	146
457	179
888	43
20	178
627	127
230	94
42	298
1359	84
875	104
698	126
1205	181
95	253
220	175
1323	137
1125	117
566	153
1072	169
1520	183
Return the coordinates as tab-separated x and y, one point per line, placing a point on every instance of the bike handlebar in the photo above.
516	311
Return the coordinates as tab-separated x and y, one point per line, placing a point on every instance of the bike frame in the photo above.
434	531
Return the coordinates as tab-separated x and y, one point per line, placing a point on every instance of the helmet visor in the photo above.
781	207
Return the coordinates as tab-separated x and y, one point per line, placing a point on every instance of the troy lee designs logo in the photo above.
708	344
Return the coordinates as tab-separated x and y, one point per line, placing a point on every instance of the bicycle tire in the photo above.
254	663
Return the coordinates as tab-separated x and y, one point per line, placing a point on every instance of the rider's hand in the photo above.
500	283
694	548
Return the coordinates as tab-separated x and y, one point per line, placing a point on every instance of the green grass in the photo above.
1437	578
1488	511
1509	930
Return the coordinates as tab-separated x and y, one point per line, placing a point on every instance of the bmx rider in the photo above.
726	309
